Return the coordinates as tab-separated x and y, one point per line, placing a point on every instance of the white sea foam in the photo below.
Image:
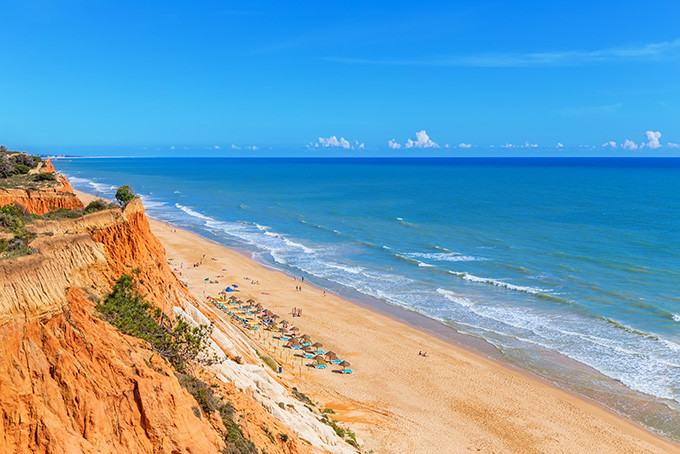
445	256
98	187
151	203
425	265
497	283
451	296
193	213
676	317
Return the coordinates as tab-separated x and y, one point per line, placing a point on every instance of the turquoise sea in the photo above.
569	267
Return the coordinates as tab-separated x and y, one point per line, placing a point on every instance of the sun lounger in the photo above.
336	361
285	338
306	343
320	366
320	352
347	371
309	355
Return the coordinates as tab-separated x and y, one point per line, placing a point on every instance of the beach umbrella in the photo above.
295	329
320	359
308	349
344	364
317	345
305	336
284	322
250	301
274	317
331	355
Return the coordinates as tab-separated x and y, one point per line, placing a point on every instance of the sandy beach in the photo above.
397	401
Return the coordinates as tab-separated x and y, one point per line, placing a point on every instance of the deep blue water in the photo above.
537	256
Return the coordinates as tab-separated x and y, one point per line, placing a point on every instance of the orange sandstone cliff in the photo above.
71	383
60	195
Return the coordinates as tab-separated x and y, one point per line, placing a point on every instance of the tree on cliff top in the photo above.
124	195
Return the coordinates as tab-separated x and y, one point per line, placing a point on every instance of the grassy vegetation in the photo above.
176	341
269	361
346	434
15	166
302	397
14	220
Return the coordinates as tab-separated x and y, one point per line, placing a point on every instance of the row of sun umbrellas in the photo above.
246	313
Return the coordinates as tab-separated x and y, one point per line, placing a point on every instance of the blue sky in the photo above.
148	76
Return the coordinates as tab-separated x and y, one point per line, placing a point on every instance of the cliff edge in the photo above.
70	382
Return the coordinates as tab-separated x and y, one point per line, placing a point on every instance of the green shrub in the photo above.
303	397
124	195
175	340
204	396
96	205
22	169
236	442
10	221
6	169
45	176
269	361
22	159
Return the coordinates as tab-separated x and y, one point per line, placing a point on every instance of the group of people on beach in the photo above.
296	312
421	353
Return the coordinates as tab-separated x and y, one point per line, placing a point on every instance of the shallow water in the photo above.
568	266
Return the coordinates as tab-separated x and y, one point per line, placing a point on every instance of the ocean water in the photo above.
569	267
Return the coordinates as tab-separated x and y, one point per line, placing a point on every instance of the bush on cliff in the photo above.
175	340
22	169
124	195
6	169
25	160
45	176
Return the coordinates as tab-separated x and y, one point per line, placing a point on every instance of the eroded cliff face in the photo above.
70	382
42	201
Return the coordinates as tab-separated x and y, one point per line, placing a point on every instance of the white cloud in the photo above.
172	147
659	51
560	145
653	137
422	141
333	141
630	145
393	144
252	147
235	147
673	145
611	143
464	145
507	145
529	145
217	147
358	145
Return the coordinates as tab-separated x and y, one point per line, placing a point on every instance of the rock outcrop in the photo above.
42	201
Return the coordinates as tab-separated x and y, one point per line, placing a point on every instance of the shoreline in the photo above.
528	410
